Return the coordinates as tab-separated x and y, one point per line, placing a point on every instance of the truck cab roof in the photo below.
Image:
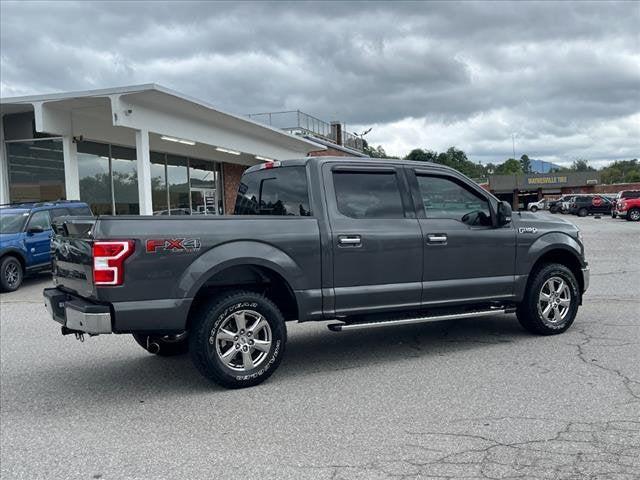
359	160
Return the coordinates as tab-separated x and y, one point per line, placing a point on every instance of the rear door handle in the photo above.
350	240
436	238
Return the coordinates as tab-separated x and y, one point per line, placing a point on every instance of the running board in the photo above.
338	327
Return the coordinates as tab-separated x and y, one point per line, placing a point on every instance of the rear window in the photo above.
275	191
630	194
80	211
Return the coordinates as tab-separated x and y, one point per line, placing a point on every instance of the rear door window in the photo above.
58	212
281	191
368	194
40	219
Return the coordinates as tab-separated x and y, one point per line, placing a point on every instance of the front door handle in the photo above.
436	238
350	240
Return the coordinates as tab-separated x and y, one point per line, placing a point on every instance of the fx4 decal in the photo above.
173	245
527	230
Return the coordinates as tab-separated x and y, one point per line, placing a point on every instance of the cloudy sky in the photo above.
563	77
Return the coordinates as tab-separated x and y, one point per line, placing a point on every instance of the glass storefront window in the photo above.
36	170
158	183
109	180
178	181
125	180
203	178
95	181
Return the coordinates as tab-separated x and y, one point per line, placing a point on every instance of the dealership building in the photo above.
146	149
521	189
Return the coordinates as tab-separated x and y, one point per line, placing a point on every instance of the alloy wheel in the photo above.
243	340
11	274
554	300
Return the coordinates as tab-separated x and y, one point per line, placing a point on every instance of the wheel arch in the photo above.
248	265
14	252
247	276
562	255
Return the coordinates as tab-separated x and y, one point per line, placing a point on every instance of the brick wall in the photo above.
617	187
231	174
329	152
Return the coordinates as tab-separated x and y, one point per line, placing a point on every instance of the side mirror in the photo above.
504	213
36	229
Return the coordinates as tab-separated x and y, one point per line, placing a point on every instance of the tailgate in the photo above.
71	257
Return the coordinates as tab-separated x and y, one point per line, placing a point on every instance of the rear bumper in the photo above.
77	314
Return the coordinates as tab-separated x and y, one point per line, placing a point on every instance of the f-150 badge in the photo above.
527	230
174	245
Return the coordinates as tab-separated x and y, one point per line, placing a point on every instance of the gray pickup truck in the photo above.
363	242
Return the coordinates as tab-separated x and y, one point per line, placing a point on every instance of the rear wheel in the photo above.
633	215
583	212
163	345
238	339
551	302
11	274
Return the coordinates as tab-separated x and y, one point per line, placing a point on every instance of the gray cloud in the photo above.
564	76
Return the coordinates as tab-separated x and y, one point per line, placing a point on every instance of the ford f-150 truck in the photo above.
366	243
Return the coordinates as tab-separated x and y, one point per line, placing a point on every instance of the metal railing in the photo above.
300	123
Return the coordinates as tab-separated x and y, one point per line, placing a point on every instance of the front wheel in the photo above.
534	209
633	215
11	274
238	339
163	345
582	212
551	302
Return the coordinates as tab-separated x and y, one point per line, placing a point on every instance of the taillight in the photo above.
108	260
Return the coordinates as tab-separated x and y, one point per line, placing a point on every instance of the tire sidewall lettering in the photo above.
276	349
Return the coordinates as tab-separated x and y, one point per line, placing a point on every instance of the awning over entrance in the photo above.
146	118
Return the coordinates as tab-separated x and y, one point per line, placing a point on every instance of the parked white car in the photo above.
539	205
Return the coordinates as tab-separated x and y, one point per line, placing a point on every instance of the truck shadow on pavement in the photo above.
135	376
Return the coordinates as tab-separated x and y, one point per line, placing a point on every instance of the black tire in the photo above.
531	317
11	274
553	209
534	209
206	348
583	212
633	215
164	346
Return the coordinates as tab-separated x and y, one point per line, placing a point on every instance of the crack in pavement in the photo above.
576	450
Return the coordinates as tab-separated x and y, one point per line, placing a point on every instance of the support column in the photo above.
71	177
4	167
144	172
516	200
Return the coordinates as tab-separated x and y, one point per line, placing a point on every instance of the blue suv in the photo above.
25	237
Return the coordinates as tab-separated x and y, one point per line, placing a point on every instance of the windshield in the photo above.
12	222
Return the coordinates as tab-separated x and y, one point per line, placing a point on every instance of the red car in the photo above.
628	206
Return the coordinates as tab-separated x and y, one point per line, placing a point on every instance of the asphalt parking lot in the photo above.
472	399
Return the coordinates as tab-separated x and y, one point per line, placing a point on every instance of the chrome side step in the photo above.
338	327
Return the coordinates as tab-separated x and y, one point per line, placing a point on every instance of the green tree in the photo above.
621	171
525	162
374	152
581	165
453	157
420	155
509	167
